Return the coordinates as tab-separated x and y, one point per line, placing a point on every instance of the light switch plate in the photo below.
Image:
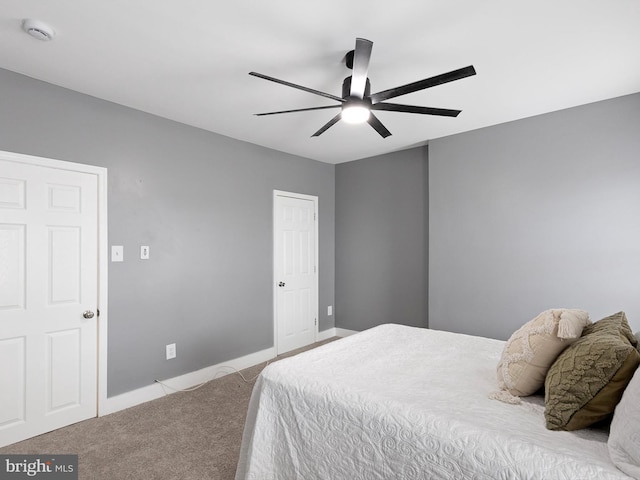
171	351
144	252
117	253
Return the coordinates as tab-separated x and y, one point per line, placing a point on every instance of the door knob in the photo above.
88	314
281	284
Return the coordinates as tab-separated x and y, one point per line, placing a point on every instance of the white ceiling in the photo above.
189	61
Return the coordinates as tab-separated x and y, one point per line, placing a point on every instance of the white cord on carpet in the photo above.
195	387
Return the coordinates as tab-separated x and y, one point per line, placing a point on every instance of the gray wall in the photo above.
381	240
201	201
535	214
517	218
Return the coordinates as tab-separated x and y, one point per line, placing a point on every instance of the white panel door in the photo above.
48	279
296	275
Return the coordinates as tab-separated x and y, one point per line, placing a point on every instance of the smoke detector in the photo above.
38	29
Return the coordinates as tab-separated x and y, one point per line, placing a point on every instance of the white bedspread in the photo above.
397	402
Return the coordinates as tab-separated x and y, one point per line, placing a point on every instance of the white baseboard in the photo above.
155	391
326	334
334	332
343	332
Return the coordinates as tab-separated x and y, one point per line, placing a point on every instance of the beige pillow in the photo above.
532	349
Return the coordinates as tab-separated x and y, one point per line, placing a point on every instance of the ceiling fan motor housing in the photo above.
346	88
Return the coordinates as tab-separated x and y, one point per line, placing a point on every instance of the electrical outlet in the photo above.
144	252
171	351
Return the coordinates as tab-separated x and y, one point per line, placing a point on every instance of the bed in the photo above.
398	402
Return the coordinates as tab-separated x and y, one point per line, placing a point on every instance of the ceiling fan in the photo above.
357	102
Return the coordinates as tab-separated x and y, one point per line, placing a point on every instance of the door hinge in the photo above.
314	215
98	311
316	321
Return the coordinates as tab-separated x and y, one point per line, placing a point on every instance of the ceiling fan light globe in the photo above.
355	114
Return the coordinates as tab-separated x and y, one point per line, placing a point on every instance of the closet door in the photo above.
296	276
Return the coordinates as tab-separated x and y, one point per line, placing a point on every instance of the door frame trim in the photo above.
103	290
314	199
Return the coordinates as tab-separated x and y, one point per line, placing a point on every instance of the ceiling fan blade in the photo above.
297	110
361	57
378	126
397	107
422	84
327	125
299	87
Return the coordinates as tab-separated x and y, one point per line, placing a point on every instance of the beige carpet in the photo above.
187	435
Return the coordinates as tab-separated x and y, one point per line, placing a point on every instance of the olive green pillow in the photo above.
586	382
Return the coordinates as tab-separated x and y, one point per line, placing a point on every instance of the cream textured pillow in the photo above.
532	349
624	436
